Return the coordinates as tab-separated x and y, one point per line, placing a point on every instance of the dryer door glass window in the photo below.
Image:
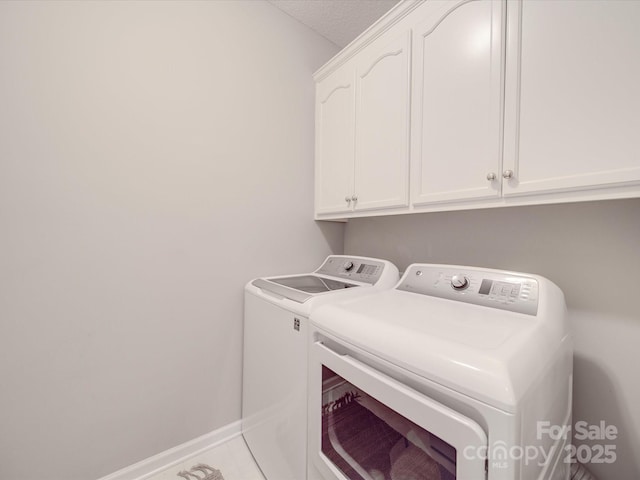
367	440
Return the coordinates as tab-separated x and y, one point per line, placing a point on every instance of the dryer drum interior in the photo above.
367	440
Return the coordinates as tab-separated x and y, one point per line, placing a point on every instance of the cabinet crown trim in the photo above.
383	24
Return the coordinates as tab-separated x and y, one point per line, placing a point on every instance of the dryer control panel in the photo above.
364	270
490	288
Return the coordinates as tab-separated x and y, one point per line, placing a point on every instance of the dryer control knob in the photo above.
348	266
459	282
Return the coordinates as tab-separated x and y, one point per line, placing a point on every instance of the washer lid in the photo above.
337	274
301	288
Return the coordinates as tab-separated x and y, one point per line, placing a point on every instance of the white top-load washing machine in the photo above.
457	372
274	395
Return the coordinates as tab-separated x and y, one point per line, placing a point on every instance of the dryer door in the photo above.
365	425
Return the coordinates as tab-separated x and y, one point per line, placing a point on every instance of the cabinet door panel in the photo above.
457	80
573	96
382	125
335	107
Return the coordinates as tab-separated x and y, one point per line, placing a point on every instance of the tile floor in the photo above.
232	458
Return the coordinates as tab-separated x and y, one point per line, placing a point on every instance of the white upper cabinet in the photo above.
461	104
382	124
573	97
457	101
362	129
335	122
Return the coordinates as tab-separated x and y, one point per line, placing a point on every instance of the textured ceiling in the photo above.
340	21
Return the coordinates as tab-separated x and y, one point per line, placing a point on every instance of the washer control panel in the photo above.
353	268
490	288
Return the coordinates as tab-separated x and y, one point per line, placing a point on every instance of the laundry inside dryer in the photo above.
367	440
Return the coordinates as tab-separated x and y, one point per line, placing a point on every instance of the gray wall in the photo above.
146	157
591	250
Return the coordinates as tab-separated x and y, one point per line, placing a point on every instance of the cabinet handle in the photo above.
354	198
507	174
347	199
491	176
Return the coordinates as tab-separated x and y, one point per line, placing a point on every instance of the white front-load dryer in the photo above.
457	372
274	383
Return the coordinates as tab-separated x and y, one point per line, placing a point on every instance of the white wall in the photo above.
154	156
591	250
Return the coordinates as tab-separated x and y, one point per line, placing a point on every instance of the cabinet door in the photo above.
572	103
382	123
335	112
457	84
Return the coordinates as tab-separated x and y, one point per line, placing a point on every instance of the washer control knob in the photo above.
459	282
348	266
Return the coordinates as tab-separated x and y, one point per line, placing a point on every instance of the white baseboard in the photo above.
154	465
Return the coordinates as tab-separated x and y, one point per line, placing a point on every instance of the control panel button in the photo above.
348	266
459	282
